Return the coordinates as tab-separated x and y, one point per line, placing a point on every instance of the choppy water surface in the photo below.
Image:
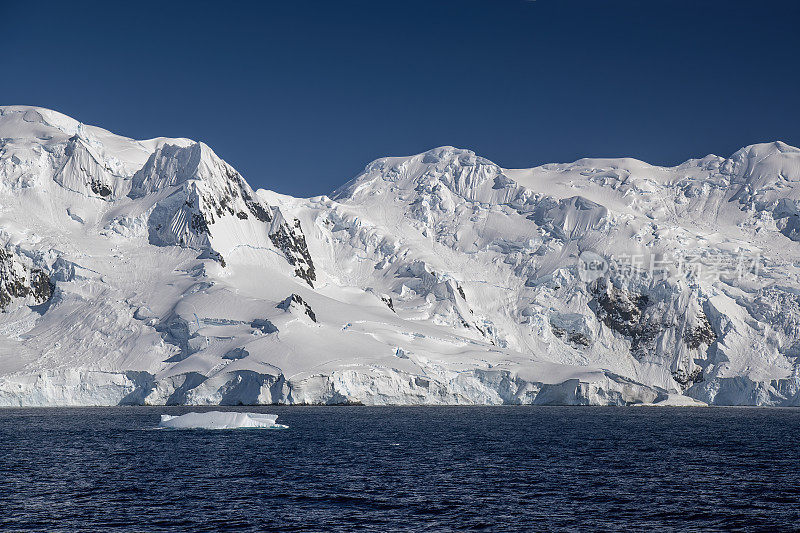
426	468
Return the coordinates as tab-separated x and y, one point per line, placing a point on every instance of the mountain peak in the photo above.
459	170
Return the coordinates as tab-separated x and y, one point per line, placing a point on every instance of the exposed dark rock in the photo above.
485	333
571	337
578	338
290	302
289	239
41	286
18	281
701	334
253	205
100	188
215	255
199	223
461	292
258	210
292	242
623	312
687	379
388	301
263	325
221	204
96	174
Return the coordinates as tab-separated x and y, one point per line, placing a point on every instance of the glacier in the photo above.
149	272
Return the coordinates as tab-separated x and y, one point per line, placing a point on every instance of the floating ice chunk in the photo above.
675	400
220	420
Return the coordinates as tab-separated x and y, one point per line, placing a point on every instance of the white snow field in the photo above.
221	420
149	272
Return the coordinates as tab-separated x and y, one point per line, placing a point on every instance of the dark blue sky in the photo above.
299	96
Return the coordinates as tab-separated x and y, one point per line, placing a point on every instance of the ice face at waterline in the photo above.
150	272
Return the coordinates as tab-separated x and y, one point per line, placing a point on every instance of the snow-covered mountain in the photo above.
150	272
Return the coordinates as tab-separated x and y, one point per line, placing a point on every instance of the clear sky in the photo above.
299	96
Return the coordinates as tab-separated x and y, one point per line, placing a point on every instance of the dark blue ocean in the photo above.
404	469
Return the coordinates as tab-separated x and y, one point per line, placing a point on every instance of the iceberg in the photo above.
221	420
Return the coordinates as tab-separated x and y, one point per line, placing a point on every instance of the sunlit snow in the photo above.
437	278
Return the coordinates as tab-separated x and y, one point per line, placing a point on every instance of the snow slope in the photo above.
149	272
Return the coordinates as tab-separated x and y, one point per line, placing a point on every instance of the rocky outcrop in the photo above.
623	312
295	302
211	207
290	240
701	334
19	282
